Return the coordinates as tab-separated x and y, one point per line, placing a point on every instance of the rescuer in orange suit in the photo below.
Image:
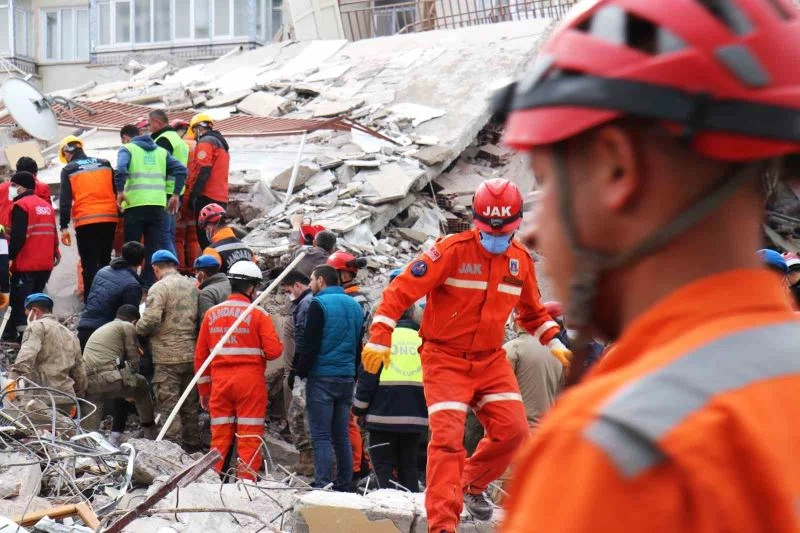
655	130
473	280
186	242
233	389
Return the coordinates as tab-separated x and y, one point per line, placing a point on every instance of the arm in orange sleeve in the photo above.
270	343
213	253
565	483
201	353
532	315
415	282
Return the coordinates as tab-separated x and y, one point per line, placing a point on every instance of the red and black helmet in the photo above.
210	214
719	73
497	206
343	261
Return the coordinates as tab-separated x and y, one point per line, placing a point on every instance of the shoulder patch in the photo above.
419	268
433	253
201	154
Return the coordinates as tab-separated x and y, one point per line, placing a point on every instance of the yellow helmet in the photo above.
69	139
199	118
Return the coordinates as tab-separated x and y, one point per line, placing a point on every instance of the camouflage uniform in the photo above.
170	323
51	357
112	342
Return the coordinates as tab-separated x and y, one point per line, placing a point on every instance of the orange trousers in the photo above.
186	243
238	403
454	383
356	442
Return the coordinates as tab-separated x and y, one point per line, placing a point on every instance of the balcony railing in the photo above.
377	18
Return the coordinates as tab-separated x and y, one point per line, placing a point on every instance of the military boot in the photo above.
478	506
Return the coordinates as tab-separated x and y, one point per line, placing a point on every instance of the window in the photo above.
122	26
66	34
104	22
260	19
23	30
142	20
183	19
241	17
162	15
5	39
202	19
277	17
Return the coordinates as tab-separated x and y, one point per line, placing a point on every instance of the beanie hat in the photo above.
24	179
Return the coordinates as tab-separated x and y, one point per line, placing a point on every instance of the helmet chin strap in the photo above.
591	264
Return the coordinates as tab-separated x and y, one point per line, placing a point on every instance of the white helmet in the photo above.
245	271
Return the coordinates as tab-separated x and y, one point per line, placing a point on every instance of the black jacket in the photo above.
113	286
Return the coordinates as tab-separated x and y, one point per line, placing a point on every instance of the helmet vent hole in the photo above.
728	14
613	24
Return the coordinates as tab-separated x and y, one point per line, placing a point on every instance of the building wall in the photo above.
66	76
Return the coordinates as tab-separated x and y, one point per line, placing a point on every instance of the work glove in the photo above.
66	238
373	355
560	352
11	390
4	299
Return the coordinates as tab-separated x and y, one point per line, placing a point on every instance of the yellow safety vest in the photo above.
405	365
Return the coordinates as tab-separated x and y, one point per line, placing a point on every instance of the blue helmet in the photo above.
773	259
38	297
164	256
206	261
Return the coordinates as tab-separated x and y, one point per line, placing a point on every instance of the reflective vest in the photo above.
41	242
180	151
146	184
93	198
405	365
228	249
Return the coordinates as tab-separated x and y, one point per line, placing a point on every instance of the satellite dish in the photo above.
30	109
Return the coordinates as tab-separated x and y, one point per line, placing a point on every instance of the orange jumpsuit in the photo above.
235	379
186	242
689	423
470	296
353	431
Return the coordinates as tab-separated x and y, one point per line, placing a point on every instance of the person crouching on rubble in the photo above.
237	400
112	356
50	355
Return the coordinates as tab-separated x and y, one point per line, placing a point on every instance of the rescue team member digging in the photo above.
652	127
87	198
233	388
473	280
225	246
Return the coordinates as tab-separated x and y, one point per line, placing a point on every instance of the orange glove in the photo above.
11	390
66	238
4	299
373	355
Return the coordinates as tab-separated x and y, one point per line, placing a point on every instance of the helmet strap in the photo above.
591	264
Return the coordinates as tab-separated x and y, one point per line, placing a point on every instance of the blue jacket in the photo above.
392	406
113	286
174	167
332	335
299	312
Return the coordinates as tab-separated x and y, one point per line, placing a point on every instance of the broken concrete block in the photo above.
326	162
334	512
162	458
416	112
495	154
23	481
228	98
392	182
362	163
281	452
333	109
262	104
433	155
281	181
413	235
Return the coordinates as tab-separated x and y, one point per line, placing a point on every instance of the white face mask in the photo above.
12	192
31	318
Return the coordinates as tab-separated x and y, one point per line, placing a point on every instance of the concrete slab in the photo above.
304	173
23	481
228	98
433	155
391	182
262	104
29	149
333	109
416	112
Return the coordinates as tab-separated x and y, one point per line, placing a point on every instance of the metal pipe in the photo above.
222	342
295	170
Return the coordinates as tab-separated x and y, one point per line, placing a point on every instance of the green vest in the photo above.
146	184
180	151
405	365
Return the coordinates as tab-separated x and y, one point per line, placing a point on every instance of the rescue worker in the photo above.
296	285
651	127
347	265
322	246
167	138
112	357
33	247
87	198
186	225
473	280
214	286
225	245
233	389
169	322
144	172
208	183
392	404
49	355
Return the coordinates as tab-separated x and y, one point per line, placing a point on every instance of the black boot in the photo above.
478	506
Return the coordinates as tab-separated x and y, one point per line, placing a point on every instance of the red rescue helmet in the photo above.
497	206
554	309
179	124
345	261
210	214
721	75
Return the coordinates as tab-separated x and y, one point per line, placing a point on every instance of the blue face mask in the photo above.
495	244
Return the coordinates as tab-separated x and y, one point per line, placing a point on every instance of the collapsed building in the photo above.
382	141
